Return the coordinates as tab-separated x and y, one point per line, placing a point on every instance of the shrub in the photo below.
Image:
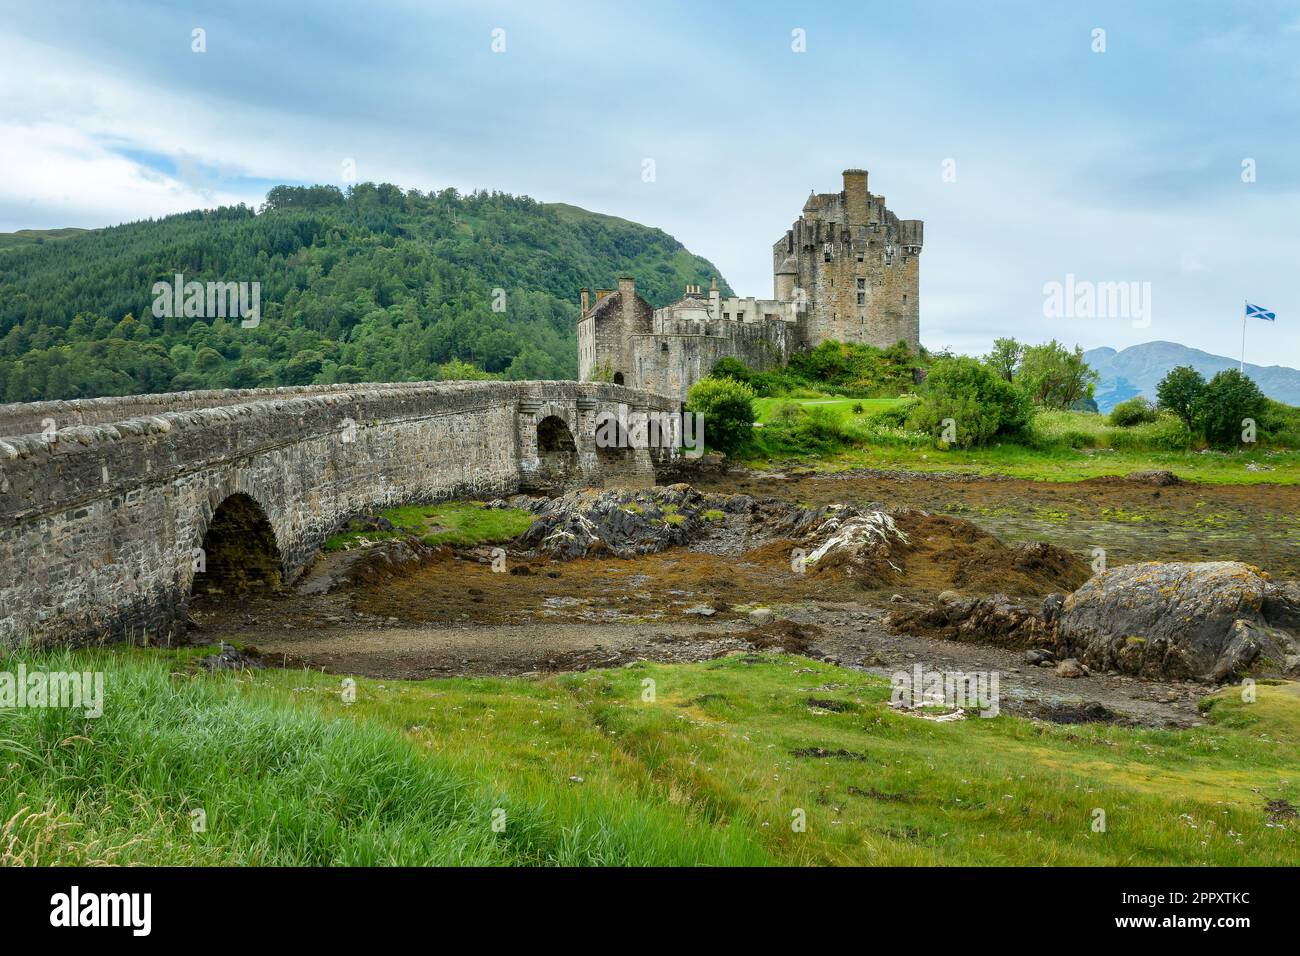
895	417
1166	433
823	426
838	367
788	412
1280	424
1136	411
980	403
1226	401
728	367
727	407
857	408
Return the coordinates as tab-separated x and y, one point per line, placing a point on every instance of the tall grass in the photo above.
587	770
281	784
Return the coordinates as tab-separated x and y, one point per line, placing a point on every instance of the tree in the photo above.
1180	392
732	368
1225	404
303	368
727	408
1005	357
1055	377
966	403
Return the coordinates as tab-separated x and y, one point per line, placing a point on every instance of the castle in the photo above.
847	269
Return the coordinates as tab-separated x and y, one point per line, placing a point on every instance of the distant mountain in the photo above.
1137	370
374	285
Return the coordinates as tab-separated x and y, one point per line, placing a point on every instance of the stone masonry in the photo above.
848	269
99	522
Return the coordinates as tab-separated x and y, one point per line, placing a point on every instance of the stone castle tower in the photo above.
854	267
848	269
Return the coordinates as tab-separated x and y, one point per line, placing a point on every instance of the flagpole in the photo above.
1244	308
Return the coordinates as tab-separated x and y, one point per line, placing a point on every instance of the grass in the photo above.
1064	446
764	408
649	764
30	237
455	523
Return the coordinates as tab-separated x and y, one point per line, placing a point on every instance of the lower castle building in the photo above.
847	269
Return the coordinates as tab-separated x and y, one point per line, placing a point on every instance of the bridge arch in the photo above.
238	551
557	452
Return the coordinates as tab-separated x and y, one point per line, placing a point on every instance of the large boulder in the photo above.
1179	620
621	523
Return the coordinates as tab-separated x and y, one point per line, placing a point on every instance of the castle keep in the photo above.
847	269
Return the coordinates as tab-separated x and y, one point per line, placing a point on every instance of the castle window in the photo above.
904	297
861	256
663	347
862	298
862	283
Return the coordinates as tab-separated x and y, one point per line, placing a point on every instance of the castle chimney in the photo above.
713	284
856	196
586	298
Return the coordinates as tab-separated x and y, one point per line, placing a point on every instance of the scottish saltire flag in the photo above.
1259	312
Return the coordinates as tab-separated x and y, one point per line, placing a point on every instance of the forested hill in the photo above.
372	285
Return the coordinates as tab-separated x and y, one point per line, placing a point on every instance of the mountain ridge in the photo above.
1137	369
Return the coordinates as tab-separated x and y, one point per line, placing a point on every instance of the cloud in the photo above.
1116	167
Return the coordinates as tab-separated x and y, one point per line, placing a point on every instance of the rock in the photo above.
988	620
230	658
624	523
761	615
1180	620
701	610
1070	668
856	539
1036	655
1281	607
1159	478
1052	605
947	596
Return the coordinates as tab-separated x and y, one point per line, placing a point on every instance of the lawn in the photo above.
765	407
648	764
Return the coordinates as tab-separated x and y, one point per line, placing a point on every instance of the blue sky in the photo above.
1115	166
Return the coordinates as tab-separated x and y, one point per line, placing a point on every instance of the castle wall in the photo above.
669	364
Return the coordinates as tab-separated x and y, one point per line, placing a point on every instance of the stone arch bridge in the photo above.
103	502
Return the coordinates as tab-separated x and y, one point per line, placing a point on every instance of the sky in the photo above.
1161	152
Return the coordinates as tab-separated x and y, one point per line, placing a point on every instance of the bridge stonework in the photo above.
100	520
